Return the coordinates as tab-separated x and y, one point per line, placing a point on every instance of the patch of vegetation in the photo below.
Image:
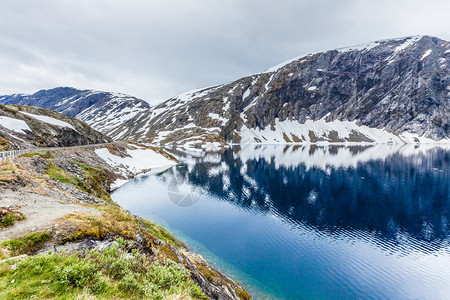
112	221
3	254
62	176
113	272
26	244
160	232
242	294
4	144
8	217
45	154
7	168
94	182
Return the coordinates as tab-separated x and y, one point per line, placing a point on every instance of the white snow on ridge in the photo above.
49	120
15	125
360	47
322	130
285	63
428	52
410	40
367	46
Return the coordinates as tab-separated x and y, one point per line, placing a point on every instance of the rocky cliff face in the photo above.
25	127
391	91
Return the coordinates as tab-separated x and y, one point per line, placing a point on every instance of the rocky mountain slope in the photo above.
387	91
102	110
28	127
390	91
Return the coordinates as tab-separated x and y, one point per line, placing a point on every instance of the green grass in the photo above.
46	154
8	217
62	176
8	220
94	178
26	244
114	272
160	232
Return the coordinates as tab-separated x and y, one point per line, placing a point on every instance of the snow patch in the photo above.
15	125
139	160
246	94
361	47
217	117
226	107
407	43
312	88
281	65
428	52
214	146
49	120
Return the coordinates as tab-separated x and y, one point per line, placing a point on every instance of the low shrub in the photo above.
26	244
113	272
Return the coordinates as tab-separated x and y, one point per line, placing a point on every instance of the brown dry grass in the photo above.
111	220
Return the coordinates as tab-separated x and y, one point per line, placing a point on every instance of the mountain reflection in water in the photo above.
390	193
310	221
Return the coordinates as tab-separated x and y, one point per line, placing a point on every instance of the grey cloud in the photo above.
155	49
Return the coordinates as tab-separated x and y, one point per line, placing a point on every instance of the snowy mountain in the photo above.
390	91
24	127
102	110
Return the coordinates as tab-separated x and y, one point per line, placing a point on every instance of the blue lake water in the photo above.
311	222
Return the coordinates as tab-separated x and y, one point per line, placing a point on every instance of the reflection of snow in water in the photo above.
325	156
181	192
312	197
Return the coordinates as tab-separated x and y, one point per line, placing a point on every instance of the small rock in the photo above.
139	238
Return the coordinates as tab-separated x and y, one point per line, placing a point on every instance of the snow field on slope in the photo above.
15	125
138	161
49	120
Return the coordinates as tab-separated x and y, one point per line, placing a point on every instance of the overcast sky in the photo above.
155	49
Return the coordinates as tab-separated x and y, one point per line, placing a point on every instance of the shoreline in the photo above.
80	199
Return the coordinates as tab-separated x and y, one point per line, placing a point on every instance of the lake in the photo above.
308	221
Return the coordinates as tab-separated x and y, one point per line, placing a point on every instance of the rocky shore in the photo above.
59	201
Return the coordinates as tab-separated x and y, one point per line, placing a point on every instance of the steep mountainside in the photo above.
102	110
26	126
390	91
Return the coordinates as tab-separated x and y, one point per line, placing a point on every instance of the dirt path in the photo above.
40	211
